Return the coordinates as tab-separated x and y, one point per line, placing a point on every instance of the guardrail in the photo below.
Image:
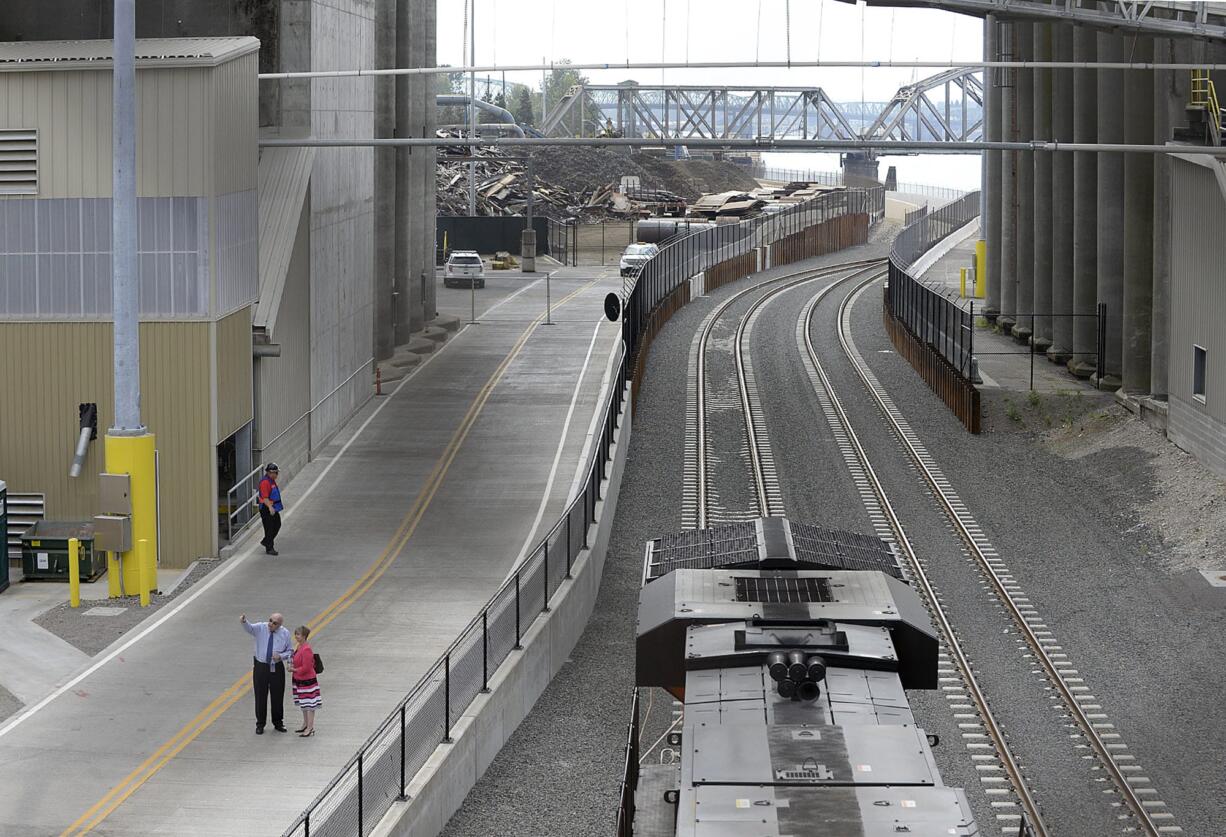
934	333
378	774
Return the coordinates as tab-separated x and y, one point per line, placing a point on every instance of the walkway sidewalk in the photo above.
395	537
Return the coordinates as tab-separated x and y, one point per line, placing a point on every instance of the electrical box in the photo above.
115	494
113	532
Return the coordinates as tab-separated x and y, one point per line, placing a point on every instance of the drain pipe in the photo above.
89	432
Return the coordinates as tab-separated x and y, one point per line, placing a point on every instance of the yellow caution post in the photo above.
74	572
113	590
134	456
142	561
981	269
962	281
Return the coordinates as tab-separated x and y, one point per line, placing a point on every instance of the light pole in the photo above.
129	446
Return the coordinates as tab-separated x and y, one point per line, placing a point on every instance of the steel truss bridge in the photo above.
947	107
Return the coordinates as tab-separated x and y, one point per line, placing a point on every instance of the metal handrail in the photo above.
1204	94
235	510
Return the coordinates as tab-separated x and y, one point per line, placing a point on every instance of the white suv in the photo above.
636	256
464	270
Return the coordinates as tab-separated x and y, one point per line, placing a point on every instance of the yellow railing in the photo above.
1204	95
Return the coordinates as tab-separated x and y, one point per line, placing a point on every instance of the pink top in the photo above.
304	663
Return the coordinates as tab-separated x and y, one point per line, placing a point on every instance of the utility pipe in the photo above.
767	65
888	147
501	114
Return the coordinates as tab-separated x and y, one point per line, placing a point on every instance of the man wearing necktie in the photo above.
273	646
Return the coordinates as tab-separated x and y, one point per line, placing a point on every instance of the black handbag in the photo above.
319	664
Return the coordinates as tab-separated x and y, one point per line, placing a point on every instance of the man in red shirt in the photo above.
270	507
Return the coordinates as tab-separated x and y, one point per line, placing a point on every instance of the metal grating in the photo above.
700	549
18	161
782	589
839	550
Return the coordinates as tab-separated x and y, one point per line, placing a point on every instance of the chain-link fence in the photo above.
761	171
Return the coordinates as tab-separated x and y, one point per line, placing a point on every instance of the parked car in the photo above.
464	269
636	256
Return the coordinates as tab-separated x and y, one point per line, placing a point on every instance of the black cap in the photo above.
271	466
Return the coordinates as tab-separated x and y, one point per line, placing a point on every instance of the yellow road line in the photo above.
107	805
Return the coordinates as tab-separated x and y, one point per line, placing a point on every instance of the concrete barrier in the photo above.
440	787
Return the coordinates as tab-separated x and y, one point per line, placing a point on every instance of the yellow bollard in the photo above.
74	572
113	574
142	560
981	269
962	281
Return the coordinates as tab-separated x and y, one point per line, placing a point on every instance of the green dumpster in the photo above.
4	534
44	550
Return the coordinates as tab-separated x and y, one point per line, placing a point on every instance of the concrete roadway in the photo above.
396	535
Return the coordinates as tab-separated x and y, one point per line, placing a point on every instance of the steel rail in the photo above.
919	575
701	371
751	431
961	521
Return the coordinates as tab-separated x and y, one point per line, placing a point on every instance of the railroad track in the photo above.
1009	794
699	508
968	700
1081	706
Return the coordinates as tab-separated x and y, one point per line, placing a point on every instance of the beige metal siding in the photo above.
1198	284
72	112
282	430
65	364
235	116
233	372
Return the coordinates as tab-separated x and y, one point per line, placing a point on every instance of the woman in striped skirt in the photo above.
306	683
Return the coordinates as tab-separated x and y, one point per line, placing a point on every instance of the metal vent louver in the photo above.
18	162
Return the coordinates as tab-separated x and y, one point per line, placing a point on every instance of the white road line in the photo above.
530	540
234	562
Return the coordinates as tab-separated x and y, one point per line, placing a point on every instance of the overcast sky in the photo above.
525	31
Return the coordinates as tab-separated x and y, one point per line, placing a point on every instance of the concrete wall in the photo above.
283	384
1197	310
342	217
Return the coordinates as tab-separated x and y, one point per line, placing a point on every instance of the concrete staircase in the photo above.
421	343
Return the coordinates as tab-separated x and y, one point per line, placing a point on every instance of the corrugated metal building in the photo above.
198	243
1197	398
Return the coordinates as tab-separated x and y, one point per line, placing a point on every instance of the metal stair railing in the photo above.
1204	95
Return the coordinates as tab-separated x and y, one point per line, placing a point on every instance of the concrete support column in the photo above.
417	159
1110	109
1043	50
1024	103
992	205
404	128
1061	348
1008	181
385	180
429	58
1085	206
1171	89
1138	224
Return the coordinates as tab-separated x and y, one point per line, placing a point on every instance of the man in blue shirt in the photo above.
273	646
270	507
